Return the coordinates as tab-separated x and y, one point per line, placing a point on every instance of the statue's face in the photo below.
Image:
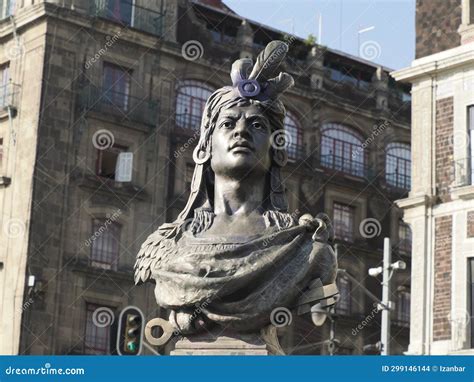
241	142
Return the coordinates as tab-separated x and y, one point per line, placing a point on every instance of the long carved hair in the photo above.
200	203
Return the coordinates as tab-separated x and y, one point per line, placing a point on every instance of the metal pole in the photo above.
387	261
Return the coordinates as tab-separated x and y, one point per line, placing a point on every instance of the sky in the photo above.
389	38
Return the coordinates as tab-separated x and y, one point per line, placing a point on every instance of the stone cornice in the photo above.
436	63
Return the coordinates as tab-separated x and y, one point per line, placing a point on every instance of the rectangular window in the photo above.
404	238
343	305
97	338
107	161
116	86
7	8
343	220
470	119
120	11
105	248
403	308
4	89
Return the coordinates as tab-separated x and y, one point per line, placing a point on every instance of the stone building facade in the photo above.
440	204
100	104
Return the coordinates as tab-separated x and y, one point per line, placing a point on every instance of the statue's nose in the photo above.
241	129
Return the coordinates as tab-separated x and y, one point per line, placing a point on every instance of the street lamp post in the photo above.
387	270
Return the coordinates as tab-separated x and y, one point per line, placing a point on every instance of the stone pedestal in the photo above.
225	342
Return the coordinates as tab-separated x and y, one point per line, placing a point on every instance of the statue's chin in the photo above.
240	165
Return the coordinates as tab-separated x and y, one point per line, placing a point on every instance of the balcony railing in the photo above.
464	171
188	121
107	101
348	166
9	95
398	180
129	14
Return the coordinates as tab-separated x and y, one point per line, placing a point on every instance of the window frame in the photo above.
337	138
346	308
91	327
110	95
116	149
398	179
344	235
99	258
293	127
186	115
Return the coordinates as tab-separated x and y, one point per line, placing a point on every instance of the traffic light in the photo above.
130	331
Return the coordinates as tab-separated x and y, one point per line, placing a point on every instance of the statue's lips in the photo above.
241	147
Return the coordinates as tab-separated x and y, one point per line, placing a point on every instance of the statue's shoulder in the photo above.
279	219
155	249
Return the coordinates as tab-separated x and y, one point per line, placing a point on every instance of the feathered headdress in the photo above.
260	82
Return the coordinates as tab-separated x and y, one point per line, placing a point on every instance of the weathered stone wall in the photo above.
437	23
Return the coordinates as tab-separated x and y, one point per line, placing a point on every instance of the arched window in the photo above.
295	134
190	101
343	305
342	149
397	165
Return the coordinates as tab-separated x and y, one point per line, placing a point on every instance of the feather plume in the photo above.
279	84
240	70
268	61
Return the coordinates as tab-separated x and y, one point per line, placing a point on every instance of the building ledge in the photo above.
436	63
464	192
414	201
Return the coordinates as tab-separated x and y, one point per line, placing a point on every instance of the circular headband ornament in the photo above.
261	81
249	88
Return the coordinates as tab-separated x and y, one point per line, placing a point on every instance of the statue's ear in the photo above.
280	157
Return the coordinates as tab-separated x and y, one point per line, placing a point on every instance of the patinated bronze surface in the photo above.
235	253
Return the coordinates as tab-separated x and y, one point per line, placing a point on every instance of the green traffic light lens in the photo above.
132	346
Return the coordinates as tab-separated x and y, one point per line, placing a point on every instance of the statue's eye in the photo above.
257	125
227	124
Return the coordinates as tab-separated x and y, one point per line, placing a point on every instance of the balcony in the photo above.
188	121
398	180
9	97
128	14
123	106
347	166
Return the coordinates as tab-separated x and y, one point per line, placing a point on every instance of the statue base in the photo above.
221	341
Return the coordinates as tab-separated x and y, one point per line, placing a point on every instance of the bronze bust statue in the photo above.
235	251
